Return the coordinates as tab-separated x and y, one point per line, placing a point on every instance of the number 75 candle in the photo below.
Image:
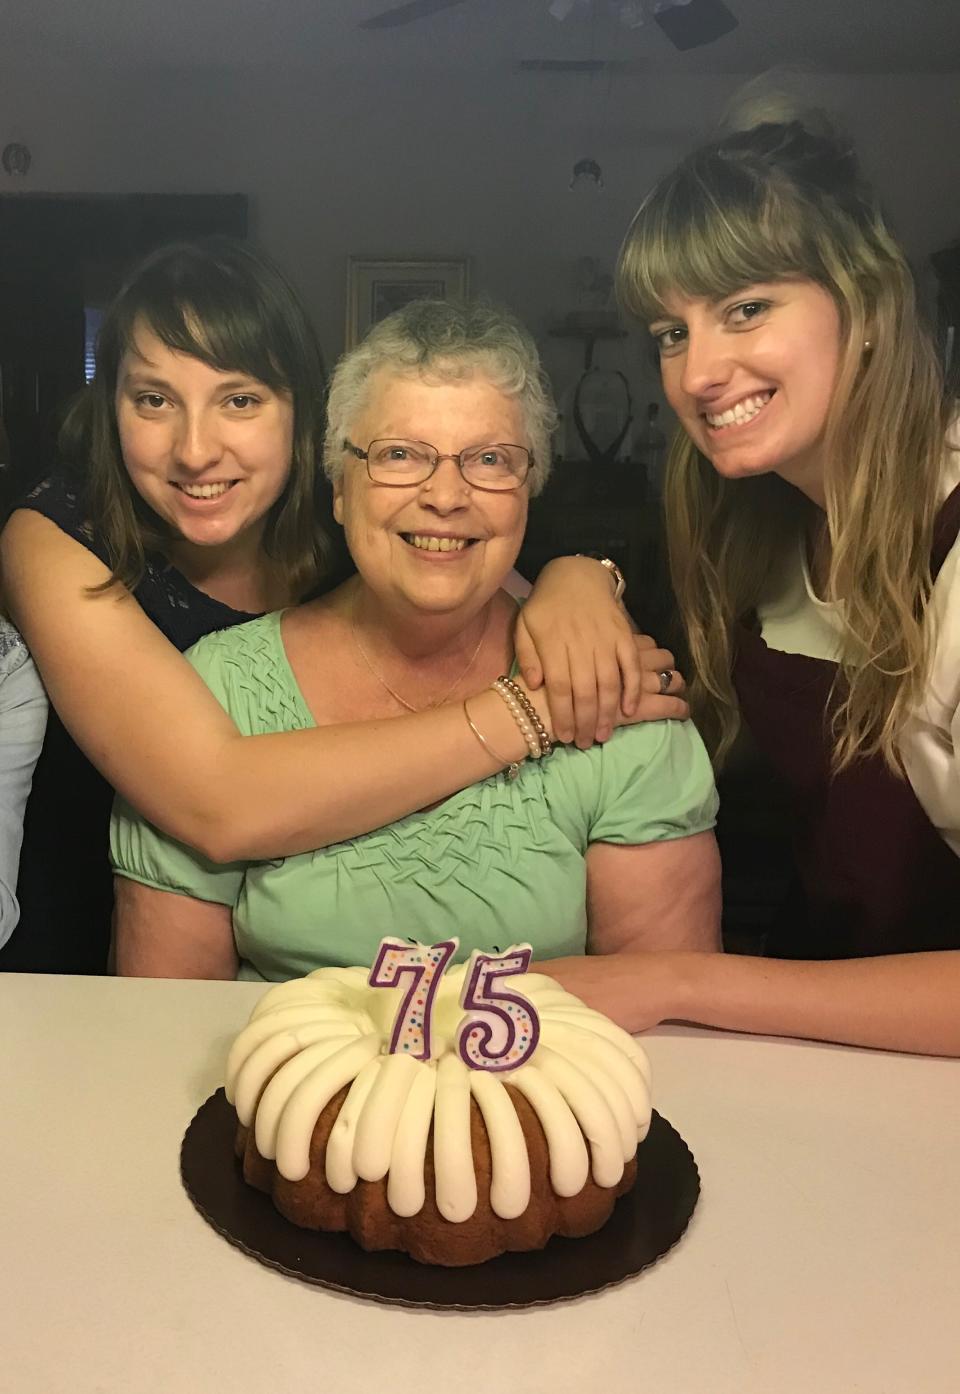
501	1028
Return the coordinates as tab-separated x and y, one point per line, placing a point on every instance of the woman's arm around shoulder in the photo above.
148	722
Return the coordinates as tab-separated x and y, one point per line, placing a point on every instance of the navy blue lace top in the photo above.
183	613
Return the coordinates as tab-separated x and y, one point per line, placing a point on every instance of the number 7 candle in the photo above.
423	965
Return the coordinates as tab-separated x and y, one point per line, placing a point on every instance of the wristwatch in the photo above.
619	581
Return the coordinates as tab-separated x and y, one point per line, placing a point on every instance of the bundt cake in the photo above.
451	1164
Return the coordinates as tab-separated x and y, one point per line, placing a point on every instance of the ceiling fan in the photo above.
686	23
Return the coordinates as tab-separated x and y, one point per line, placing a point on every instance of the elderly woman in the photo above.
438	435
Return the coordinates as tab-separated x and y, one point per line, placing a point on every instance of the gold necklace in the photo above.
439	701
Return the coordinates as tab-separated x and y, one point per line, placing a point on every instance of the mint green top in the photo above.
499	863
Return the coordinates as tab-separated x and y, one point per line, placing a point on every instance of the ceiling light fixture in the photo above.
587	177
704	21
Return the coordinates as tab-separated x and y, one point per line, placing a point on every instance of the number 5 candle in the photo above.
502	1028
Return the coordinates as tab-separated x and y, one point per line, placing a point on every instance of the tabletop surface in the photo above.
823	1257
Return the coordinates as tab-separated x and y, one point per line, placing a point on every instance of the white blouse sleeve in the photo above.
930	741
23	721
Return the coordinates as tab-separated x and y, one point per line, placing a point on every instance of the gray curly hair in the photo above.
448	341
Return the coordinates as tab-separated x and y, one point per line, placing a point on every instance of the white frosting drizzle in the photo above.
588	1083
406	1191
569	1043
510	1179
592	1112
340	1171
577	1013
377	1125
280	1090
308	1100
569	1159
456	1183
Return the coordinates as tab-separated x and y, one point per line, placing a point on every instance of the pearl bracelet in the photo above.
526	716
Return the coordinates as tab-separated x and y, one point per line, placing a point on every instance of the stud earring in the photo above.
867	344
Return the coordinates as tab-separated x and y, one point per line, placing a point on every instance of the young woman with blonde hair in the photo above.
813	515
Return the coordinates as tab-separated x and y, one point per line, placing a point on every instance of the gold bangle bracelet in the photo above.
512	766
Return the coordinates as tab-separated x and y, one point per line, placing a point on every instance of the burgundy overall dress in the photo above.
877	876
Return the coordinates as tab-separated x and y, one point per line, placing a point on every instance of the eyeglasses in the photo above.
402	462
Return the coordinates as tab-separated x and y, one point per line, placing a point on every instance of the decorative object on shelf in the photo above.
16	158
651	448
378	286
598	411
593	288
602	414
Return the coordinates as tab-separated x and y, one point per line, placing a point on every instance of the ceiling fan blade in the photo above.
406	14
693	23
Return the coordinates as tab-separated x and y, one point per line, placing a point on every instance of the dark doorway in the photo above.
61	260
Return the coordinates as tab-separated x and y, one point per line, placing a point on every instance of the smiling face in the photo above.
751	377
209	451
441	546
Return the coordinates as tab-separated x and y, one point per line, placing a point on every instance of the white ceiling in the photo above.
840	36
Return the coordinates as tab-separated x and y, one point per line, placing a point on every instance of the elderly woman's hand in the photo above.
574	637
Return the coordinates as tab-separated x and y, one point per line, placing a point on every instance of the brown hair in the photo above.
225	304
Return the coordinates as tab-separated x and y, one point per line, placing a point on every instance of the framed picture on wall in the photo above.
375	288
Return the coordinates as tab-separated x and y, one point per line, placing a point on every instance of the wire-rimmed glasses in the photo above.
498	466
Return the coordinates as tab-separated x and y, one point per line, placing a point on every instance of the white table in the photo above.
823	1257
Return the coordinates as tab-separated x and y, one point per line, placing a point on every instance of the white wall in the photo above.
344	162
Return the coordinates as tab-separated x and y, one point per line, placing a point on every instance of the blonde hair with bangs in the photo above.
782	200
